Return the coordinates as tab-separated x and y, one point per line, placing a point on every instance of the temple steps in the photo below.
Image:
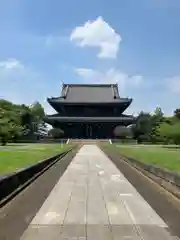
87	141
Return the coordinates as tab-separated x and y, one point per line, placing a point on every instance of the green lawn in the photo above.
16	156
168	158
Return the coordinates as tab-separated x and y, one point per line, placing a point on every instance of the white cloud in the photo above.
110	76
13	71
22	84
88	74
100	34
174	84
10	64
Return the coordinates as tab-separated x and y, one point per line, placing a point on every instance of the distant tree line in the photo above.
157	128
19	121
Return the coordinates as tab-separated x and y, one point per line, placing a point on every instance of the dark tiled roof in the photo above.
90	92
52	118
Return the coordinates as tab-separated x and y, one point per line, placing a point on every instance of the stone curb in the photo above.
11	185
167	179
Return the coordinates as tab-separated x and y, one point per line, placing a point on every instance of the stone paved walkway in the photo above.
94	201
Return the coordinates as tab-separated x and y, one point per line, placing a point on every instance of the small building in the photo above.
89	110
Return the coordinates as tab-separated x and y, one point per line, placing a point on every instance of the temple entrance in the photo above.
92	131
88	131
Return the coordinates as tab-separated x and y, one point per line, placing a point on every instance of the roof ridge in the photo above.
89	84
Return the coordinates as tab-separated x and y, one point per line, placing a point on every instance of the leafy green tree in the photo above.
169	133
142	129
38	111
175	133
16	131
158	113
170	119
122	132
177	113
55	132
9	129
164	133
27	119
20	120
32	120
38	114
4	130
156	119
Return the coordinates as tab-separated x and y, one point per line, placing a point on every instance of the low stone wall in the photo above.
167	179
45	140
14	183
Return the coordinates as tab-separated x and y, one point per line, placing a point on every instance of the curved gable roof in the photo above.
90	92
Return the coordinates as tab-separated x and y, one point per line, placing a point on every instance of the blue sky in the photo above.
133	43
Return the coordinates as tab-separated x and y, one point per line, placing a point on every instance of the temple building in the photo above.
89	110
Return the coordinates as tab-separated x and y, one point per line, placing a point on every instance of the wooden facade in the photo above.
89	110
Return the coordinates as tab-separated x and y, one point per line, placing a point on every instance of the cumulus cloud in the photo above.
22	84
12	71
97	33
110	76
11	63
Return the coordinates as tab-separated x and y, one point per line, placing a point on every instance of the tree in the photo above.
175	133
164	132
38	111
158	113
142	129
38	114
156	119
55	132
32	120
20	120
16	131
27	120
169	133
4	131
122	132
177	113
9	130
9	121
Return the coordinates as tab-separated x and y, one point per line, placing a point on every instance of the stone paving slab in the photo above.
100	232
93	200
73	232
